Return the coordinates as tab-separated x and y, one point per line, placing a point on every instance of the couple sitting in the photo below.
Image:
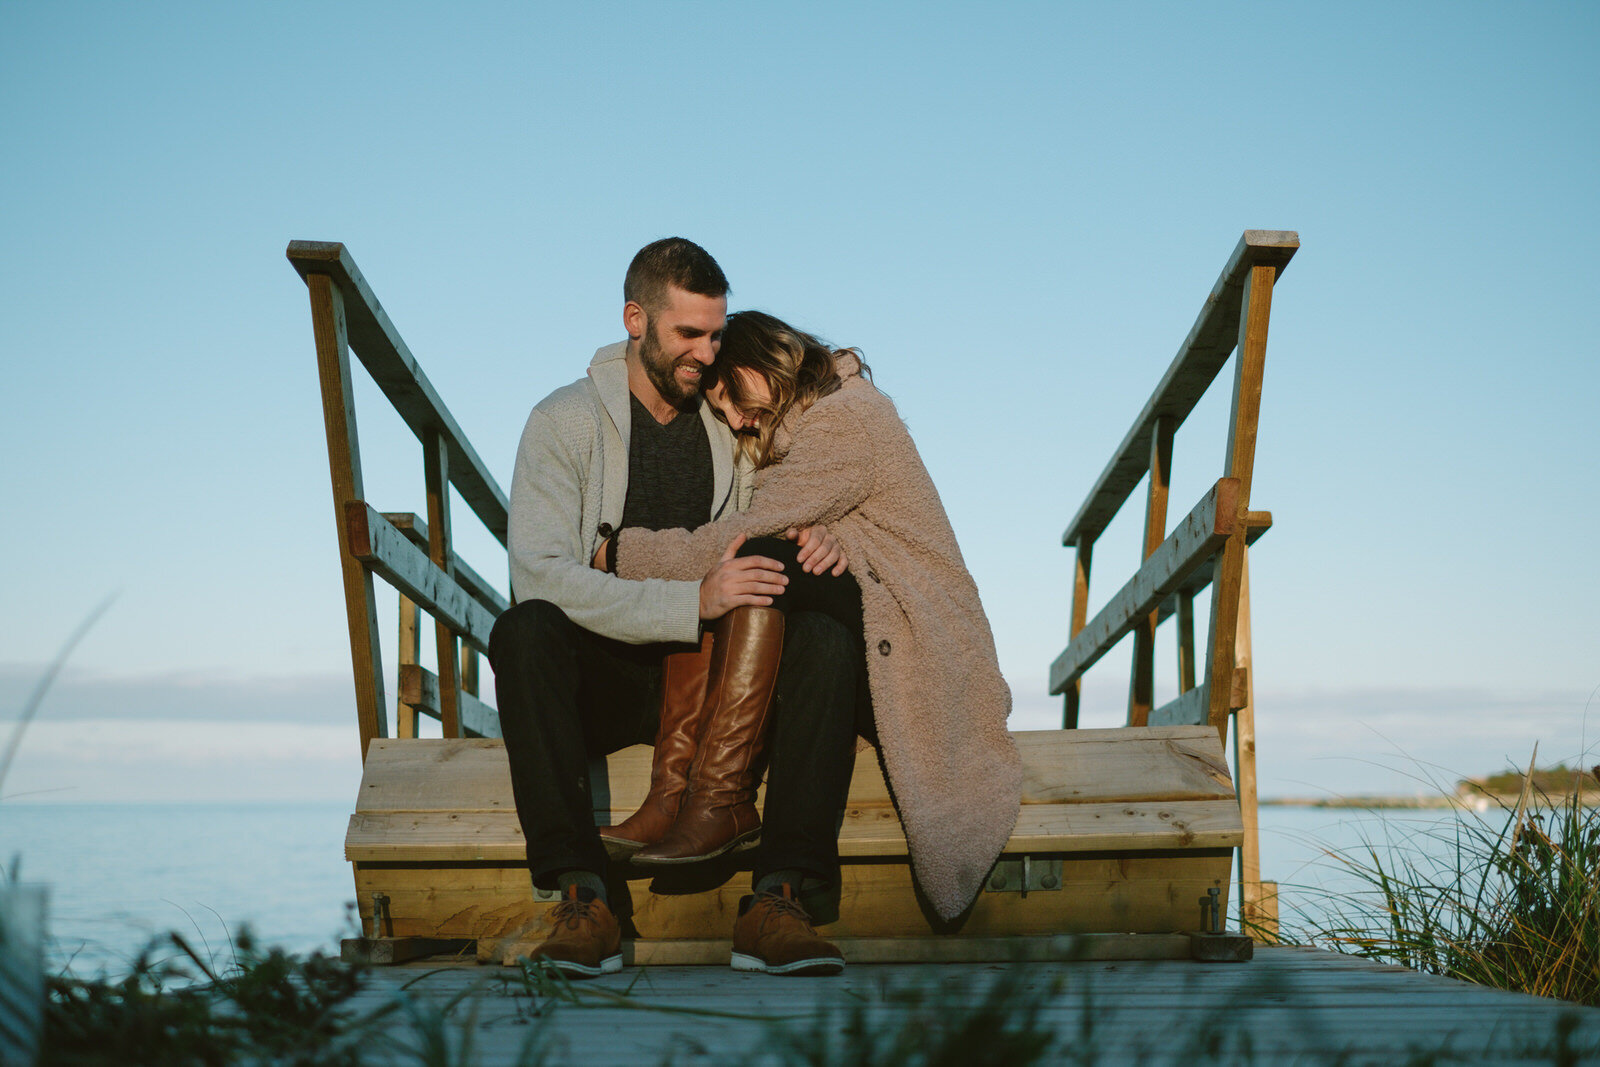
723	539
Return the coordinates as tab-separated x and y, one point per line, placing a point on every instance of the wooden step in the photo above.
1129	827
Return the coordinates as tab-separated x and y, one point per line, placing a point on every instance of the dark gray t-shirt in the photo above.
670	481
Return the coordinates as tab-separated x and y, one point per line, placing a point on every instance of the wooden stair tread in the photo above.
1131	789
1085	766
867	832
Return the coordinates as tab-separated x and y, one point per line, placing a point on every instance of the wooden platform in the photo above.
1121	831
1289	1006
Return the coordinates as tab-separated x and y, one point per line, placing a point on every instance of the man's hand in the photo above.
739	582
819	550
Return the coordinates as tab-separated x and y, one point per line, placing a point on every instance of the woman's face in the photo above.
755	389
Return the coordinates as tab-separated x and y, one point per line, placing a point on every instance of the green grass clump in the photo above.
1515	903
269	1007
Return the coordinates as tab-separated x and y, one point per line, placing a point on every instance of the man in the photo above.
578	660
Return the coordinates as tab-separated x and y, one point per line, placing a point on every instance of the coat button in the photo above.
883	648
606	529
874	575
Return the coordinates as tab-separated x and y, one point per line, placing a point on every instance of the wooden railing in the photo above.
1209	546
413	555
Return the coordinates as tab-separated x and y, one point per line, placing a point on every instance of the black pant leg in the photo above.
565	694
821	703
811	746
838	597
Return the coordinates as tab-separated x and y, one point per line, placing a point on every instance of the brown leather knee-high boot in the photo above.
719	811
683	701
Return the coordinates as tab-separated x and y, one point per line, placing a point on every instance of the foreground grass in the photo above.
268	1008
1509	899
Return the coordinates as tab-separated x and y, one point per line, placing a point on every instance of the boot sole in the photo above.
572	969
738	844
620	848
817	965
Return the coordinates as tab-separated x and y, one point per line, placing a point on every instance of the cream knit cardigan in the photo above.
937	693
567	493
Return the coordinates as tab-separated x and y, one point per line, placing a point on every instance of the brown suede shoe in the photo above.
585	939
774	935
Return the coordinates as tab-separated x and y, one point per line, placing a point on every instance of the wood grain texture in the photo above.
1142	684
1143	821
1253	909
409	652
419	689
328	325
1084	556
1256	524
1059	767
482	590
867	831
1287	1006
436	485
1188	709
382	351
946	950
1194	541
392	556
1183	603
1149	893
1211	340
1249	369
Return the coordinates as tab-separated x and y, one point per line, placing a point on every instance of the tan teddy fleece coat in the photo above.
938	697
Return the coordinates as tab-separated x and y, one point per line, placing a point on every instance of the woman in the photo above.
829	448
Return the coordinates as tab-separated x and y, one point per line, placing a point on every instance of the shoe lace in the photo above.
572	913
780	905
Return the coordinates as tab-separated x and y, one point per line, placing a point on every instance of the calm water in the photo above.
120	875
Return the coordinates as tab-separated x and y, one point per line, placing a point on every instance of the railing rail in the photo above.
1202	355
381	350
1208	547
412	554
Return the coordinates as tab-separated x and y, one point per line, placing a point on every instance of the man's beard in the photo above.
660	368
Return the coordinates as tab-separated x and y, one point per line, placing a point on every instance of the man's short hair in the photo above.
671	261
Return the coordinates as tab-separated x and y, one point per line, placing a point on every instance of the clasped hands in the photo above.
739	581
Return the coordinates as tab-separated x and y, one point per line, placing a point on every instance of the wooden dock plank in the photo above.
1292	1005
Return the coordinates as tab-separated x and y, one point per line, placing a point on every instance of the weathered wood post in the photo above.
22	919
1208	547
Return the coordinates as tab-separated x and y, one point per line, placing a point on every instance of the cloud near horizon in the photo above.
214	738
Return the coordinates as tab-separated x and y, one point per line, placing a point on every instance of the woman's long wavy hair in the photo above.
797	367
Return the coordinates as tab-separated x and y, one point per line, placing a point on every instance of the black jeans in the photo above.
567	694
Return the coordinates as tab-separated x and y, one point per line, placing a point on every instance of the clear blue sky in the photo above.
1016	210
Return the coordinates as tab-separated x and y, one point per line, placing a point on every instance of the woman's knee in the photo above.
778	548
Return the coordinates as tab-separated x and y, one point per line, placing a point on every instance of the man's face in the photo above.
680	341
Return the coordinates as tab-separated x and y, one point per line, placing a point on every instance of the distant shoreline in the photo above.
1479	802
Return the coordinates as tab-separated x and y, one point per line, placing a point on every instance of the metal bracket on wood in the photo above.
1023	875
1211	943
381	922
384	948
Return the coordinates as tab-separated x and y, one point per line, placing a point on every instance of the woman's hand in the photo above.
819	550
739	582
600	563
